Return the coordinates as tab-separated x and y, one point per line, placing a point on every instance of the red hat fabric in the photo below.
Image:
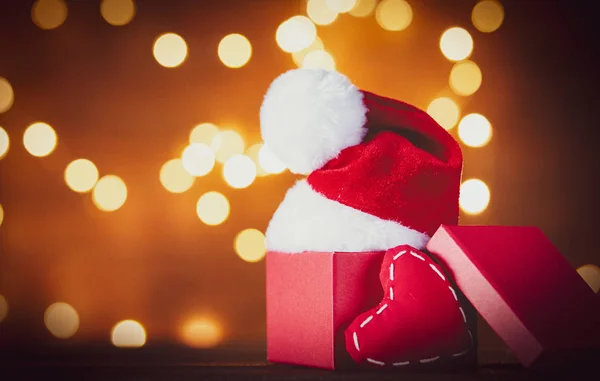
390	163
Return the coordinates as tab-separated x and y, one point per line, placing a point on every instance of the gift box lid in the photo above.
524	288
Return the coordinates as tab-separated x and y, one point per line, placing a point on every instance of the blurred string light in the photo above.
234	50
318	59
110	193
475	130
174	177
49	14
249	244
117	12
7	95
363	8
341	6
170	50
394	15
295	34
81	175
205	133
320	12
4	142
474	196
212	208
62	320
252	152
298	56
445	111
269	162
1	214
465	78
39	139
456	44
3	308
128	334
201	332
227	143
198	159
487	16
590	274
239	171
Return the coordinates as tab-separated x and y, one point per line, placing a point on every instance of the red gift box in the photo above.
525	290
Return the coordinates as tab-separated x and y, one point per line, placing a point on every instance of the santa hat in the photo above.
381	172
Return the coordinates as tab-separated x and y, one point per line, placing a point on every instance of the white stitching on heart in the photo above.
392	271
391	293
399	255
417	255
453	293
367	320
437	271
381	309
375	361
463	314
401	363
424	361
356	341
460	353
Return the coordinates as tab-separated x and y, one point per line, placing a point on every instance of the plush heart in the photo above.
419	320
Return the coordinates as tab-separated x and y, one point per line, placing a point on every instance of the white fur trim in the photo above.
308	116
308	221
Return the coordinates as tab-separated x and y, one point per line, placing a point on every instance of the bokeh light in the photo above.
4	142
318	59
295	34
201	332
39	139
234	50
7	95
128	334
227	143
170	50
590	274
465	78
3	308
62	320
341	6
363	8
174	177
198	159
475	130
456	44
204	133
249	245
252	152
320	13
212	208
117	12
81	175
110	193
49	14
298	57
269	162
394	15
1	214
239	171
487	16
474	196
445	111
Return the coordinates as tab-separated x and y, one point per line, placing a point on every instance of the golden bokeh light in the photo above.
487	16
249	245
62	320
234	50
49	14
212	208
394	15
204	133
341	6
227	143
465	78
269	162
456	44
298	57
445	111
318	59
40	139
239	171
198	159
252	152
474	196
110	193
81	175
590	274
174	177
1	214
295	34
7	95
3	308
475	130
320	13
117	12
201	332
128	334
363	8
4	142
170	50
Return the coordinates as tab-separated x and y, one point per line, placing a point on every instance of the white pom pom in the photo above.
309	116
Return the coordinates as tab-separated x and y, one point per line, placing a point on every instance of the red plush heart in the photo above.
419	319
